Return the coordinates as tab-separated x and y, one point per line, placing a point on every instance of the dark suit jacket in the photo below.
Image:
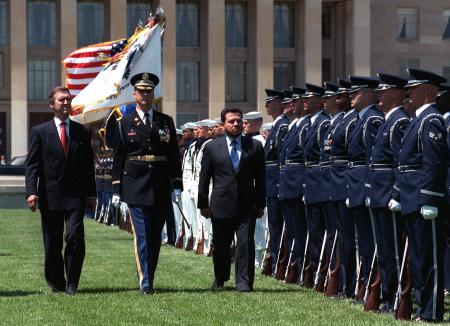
234	193
60	182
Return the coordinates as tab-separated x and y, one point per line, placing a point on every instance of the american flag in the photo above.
84	64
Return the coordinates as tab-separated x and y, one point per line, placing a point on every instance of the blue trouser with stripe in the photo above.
147	222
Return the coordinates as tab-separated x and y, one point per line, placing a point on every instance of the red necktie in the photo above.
64	137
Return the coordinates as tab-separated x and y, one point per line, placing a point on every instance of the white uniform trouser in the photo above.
177	216
260	238
187	209
193	215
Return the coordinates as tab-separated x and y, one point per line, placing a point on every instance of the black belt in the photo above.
381	166
409	168
355	164
312	164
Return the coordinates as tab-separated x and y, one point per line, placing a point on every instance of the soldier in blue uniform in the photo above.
360	142
146	168
336	114
423	164
382	177
271	149
292	170
313	185
338	182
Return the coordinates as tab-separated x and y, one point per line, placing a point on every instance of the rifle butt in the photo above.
292	276
308	281
373	300
190	244
200	247
267	265
332	288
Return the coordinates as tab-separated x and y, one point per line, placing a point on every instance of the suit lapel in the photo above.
244	152
73	140
53	133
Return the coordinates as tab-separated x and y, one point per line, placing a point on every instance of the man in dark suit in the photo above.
146	168
236	165
60	177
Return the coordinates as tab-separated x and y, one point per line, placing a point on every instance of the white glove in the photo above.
429	212
115	200
394	205
347	202
303	198
367	201
176	195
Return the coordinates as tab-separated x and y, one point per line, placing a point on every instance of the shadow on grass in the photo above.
106	290
17	293
5	254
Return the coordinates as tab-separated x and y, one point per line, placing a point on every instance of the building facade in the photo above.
216	53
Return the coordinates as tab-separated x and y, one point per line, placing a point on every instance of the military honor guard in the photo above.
271	149
383	180
423	164
146	169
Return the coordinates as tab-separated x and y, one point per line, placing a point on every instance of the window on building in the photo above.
41	78
235	81
408	23
183	118
446	34
188	81
326	22
41	23
283	75
283	24
236	24
90	22
3	23
137	11
405	64
188	32
3	133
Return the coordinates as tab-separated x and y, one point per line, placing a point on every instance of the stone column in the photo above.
264	52
170	60
118	19
19	107
216	57
68	33
313	41
361	38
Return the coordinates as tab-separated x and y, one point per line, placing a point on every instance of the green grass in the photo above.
108	292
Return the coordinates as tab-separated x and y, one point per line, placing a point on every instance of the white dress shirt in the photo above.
423	108
238	145
142	114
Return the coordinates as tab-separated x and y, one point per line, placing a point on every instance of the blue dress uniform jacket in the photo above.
359	151
292	167
313	180
423	162
325	156
140	182
271	149
339	155
383	171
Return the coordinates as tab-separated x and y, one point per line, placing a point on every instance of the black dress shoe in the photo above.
56	289
148	291
71	289
244	290
217	285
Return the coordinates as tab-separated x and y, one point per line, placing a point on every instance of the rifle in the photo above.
403	303
190	241
306	275
201	244
280	268
372	301
291	272
180	240
359	292
267	261
319	287
332	278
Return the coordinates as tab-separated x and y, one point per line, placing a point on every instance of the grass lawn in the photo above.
108	292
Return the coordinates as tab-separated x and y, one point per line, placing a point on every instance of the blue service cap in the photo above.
420	77
313	90
444	89
360	82
330	89
388	81
297	92
273	94
287	96
344	86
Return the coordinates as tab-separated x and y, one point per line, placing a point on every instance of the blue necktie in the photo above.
234	155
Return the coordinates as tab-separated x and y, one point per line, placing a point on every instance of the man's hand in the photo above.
347	202
115	200
394	205
91	203
32	202
259	212
367	201
176	195
205	212
429	212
